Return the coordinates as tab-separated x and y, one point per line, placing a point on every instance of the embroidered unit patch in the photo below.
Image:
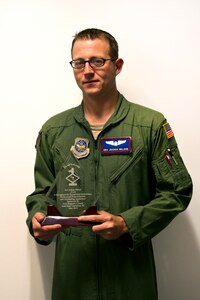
80	148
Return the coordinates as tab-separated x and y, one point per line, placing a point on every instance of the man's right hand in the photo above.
44	233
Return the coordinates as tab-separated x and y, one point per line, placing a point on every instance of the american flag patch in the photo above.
168	131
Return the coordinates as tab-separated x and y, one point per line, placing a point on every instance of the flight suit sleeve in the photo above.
44	176
173	189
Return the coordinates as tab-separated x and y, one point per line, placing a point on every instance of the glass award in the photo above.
70	195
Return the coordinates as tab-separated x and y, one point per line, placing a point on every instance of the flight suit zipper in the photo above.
94	148
96	169
96	162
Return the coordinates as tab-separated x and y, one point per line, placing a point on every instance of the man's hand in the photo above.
111	227
44	233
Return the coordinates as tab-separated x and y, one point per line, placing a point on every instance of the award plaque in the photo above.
70	195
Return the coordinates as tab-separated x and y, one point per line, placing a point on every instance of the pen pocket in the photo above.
178	169
170	171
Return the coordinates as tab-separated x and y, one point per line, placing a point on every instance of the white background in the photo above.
160	43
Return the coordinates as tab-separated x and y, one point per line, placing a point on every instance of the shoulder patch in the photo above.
168	131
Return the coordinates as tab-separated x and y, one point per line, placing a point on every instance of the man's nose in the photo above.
87	68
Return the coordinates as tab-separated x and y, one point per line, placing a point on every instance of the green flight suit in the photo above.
148	187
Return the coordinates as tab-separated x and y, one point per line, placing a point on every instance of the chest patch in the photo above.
80	148
119	145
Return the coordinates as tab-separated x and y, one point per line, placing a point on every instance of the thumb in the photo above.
39	216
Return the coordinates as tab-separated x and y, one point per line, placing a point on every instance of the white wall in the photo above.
160	43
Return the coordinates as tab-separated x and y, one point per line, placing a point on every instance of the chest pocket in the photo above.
128	164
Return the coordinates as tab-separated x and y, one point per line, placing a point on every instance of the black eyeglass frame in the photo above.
89	61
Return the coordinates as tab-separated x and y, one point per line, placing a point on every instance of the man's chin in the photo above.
92	91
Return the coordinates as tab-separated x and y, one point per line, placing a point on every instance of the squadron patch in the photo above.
168	131
80	148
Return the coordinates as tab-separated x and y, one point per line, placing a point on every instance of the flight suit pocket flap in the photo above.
130	161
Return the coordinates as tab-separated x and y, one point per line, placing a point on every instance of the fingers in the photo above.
44	233
101	217
111	227
108	226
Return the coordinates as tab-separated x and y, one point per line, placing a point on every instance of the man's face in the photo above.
90	80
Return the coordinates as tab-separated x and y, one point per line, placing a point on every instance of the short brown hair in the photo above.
93	33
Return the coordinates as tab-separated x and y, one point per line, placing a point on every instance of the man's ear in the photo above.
119	64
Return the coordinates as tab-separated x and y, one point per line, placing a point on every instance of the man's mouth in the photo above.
90	81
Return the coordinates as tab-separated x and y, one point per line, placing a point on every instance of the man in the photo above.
133	169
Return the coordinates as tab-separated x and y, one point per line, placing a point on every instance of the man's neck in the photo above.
99	109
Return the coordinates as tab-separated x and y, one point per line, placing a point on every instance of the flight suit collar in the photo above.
119	114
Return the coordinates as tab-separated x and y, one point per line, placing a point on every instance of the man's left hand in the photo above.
111	227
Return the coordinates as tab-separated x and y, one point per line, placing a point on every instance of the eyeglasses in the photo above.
94	62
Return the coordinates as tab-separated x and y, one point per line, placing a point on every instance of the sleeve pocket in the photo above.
179	171
173	174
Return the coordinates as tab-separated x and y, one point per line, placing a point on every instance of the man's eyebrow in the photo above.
80	58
